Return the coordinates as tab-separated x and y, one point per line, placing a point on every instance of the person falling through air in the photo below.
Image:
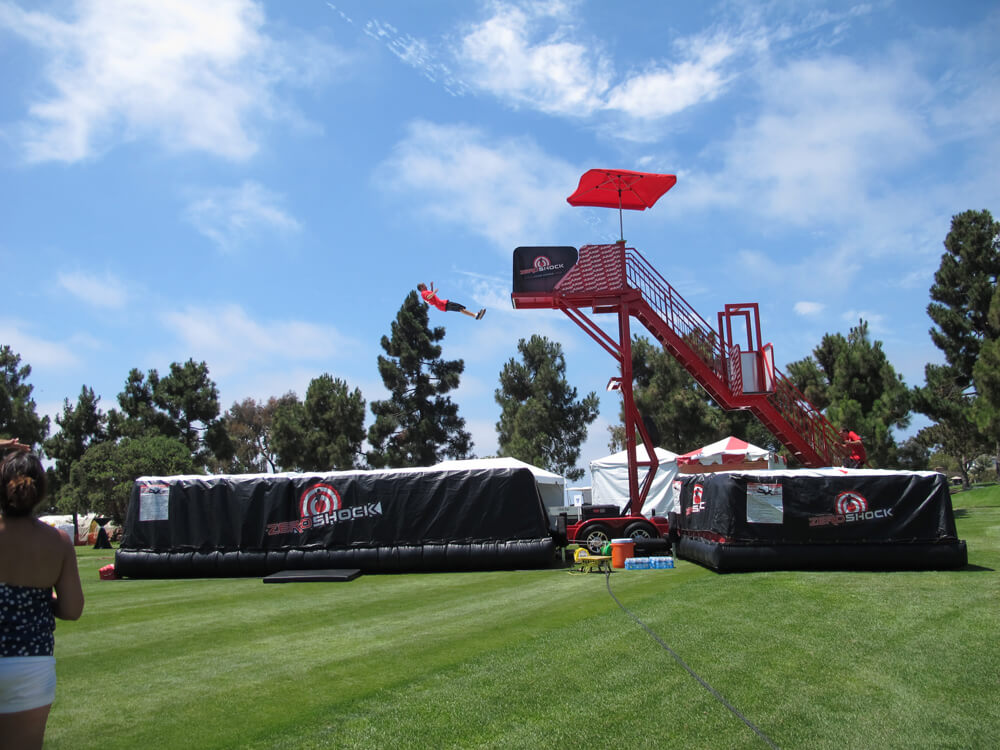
431	298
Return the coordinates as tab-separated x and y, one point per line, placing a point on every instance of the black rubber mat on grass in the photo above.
298	576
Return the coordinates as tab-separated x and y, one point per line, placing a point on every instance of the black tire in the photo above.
594	537
640	530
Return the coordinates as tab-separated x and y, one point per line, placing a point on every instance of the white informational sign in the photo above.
154	502
764	503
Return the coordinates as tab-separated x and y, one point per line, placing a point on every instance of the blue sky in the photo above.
259	184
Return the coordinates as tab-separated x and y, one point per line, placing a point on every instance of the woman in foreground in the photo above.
34	559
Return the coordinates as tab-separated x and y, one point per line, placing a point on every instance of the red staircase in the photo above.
613	278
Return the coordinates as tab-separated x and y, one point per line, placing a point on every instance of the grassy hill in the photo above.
541	658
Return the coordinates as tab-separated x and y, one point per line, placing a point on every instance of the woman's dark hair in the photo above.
22	484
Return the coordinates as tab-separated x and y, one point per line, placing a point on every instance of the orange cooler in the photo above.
621	550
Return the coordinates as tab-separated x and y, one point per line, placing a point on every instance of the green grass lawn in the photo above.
541	659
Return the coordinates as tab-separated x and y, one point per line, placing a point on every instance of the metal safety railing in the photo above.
674	310
808	421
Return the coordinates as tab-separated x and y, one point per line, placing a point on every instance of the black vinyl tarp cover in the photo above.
822	518
397	520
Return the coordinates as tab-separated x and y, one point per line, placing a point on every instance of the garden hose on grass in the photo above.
679	660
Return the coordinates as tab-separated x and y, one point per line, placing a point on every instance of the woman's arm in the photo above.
11	444
67	604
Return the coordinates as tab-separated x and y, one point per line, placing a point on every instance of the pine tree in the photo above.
184	405
18	416
679	410
852	379
955	431
418	424
964	289
324	433
541	420
986	377
80	426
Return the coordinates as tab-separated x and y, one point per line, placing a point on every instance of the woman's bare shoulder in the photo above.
50	535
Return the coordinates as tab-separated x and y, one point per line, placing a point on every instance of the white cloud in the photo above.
231	216
809	309
231	340
829	271
105	291
504	190
530	55
666	90
828	133
554	74
190	74
39	352
416	53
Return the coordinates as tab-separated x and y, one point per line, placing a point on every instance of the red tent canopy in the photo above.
620	188
730	450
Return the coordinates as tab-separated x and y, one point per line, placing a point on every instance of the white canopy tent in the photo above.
551	487
609	479
86	526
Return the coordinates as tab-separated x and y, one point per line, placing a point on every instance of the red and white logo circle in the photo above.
850	502
541	262
320	498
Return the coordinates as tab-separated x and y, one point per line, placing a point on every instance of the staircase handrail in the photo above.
811	424
672	308
615	269
807	420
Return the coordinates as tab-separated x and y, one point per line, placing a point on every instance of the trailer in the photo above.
599	524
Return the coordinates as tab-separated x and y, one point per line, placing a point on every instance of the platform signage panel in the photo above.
539	269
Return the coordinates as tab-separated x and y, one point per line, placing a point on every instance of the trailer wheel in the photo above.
640	530
595	537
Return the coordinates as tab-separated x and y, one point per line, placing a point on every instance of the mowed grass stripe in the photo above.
278	638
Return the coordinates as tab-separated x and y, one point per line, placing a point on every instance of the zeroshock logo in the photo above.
697	503
850	507
542	265
319	506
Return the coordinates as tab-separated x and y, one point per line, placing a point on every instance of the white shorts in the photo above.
26	682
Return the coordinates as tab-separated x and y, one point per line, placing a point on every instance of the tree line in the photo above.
173	423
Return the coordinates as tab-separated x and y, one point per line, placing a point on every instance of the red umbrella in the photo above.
620	188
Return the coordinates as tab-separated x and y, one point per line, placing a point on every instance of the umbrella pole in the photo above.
621	227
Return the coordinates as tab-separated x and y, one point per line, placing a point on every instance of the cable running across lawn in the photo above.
679	660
